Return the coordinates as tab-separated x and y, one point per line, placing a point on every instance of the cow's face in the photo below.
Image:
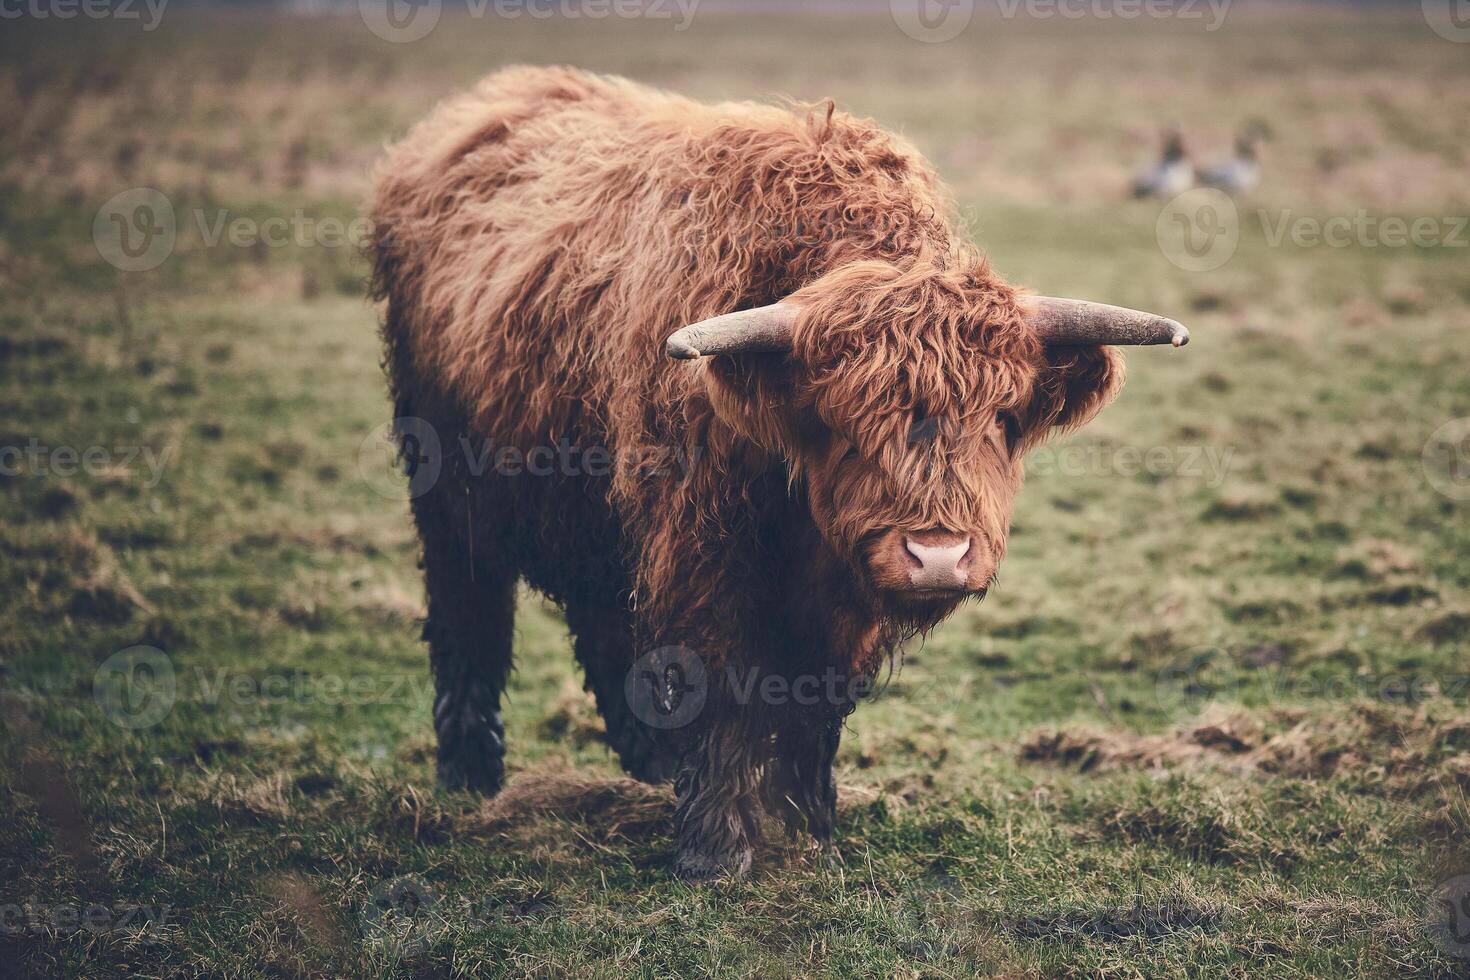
904	410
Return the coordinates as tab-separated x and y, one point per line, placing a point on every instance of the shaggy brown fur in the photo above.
537	241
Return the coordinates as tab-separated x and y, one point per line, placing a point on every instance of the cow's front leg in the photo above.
799	784
717	816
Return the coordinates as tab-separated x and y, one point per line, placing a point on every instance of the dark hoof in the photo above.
480	778
654	767
703	869
825	855
647	755
476	765
471	743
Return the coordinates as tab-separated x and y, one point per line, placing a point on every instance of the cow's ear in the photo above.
1075	384
752	394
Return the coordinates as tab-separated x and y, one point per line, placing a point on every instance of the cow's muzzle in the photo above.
925	565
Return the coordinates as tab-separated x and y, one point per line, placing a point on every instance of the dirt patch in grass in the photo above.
1159	916
104	594
609	808
1243	504
1376	558
43	777
1334	918
573	717
1220	741
249	801
1449	628
1214	829
1403	750
1401	594
319	925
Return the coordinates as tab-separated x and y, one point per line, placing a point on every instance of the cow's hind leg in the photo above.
471	619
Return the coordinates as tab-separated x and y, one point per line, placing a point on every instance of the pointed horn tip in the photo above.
680	349
1179	334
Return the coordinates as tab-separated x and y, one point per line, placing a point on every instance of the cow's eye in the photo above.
1011	427
923	429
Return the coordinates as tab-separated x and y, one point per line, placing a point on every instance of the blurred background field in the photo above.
1212	722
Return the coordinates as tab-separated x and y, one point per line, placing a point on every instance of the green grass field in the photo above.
1212	723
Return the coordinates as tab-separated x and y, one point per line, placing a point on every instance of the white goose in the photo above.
1241	172
1171	174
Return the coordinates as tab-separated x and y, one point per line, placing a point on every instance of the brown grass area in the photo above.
1405	750
609	807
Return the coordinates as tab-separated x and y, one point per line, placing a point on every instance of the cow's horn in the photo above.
763	330
1078	323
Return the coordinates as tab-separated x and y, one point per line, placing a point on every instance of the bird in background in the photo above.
1171	174
1241	171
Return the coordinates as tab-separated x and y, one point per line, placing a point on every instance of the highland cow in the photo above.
779	298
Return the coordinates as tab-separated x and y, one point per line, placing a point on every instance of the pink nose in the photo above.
942	560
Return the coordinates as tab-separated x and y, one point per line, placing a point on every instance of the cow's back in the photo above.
524	231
